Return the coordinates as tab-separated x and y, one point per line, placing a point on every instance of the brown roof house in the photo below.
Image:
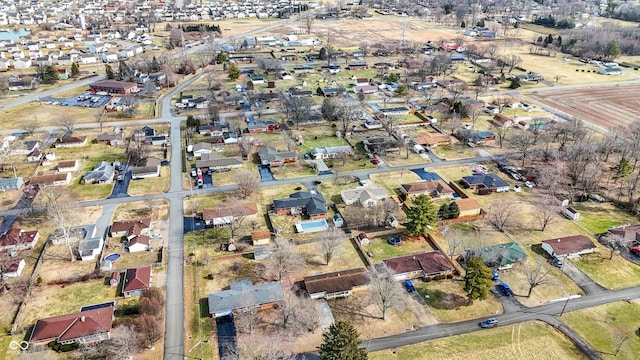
434	188
468	207
260	237
71	141
569	246
424	265
138	243
116	87
224	214
627	232
130	227
61	179
67	166
11	267
432	139
19	239
92	324
502	120
336	284
136	280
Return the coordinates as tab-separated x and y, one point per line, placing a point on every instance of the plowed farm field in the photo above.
607	107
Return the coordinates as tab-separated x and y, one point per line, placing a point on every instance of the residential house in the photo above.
91	243
225	214
11	184
70	141
395	111
102	173
630	233
490	182
201	148
364	196
91	325
309	203
136	280
214	162
143	172
24	147
336	284
432	139
425	265
11	267
19	239
468	207
35	155
381	145
502	120
330	152
272	157
138	243
143	133
243	295
61	179
569	246
262	126
130	227
67	166
4	64
365	89
260	237
503	256
113	139
437	189
22	63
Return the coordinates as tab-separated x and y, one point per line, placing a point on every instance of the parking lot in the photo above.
86	100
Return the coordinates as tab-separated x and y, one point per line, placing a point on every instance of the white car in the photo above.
530	184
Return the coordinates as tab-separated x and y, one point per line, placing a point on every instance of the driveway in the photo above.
192	224
120	187
226	337
585	283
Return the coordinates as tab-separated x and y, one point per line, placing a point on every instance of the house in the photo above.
502	120
62	179
11	184
71	141
214	162
92	324
242	295
437	189
91	243
114	87
11	267
35	155
260	237
201	148
309	203
136	280
336	284
130	227
502	256
331	92
571	213
24	147
224	214
143	172
569	246
67	166
432	139
491	182
365	89
426	265
138	243
102	173
381	145
330	152
364	196
22	63
261	126
113	139
272	157
630	233
4	64
143	133
468	207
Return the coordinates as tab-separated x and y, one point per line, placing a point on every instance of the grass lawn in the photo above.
196	318
382	250
392	180
157	209
154	185
525	341
348	258
598	218
616	273
45	115
448	302
292	171
401	158
456	150
319	136
331	189
605	325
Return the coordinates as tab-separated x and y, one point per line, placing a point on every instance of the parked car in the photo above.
394	240
493	322
504	289
555	261
596	198
530	184
375	160
409	285
495	274
635	249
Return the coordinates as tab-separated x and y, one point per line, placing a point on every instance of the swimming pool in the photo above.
112	257
310	226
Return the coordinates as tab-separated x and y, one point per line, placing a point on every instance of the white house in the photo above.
138	243
11	267
569	246
365	196
22	63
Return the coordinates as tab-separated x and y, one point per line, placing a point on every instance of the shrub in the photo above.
210	276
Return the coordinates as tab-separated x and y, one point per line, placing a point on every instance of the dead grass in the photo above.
315	263
46	115
155	185
392	180
157	209
616	273
409	245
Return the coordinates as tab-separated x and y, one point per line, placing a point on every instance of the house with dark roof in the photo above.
224	214
136	280
427	264
19	239
336	284
115	87
262	126
502	256
71	141
274	158
310	203
630	233
569	246
243	295
491	182
381	145
436	188
130	227
61	179
214	162
88	326
113	139
67	166
138	243
11	267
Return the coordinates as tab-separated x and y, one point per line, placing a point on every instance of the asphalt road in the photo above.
29	97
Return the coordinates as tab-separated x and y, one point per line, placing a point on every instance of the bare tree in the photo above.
298	108
283	261
501	212
307	21
536	275
455	240
233	213
523	141
546	212
256	348
30	125
64	216
123	343
68	124
614	242
512	61
298	315
150	328
331	244
247	182
384	291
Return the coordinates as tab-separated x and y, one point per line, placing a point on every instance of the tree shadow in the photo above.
351	308
445	301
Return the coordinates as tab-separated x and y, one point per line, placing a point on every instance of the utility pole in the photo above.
565	304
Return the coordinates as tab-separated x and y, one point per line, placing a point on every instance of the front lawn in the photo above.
616	273
598	218
381	249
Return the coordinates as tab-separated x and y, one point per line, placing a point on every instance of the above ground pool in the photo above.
113	257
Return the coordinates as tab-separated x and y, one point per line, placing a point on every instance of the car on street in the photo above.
504	289
493	322
409	285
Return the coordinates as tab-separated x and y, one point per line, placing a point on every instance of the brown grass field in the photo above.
606	107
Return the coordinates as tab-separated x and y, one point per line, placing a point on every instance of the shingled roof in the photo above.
336	282
73	326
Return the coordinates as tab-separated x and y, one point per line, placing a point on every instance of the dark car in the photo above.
409	285
493	322
505	289
394	240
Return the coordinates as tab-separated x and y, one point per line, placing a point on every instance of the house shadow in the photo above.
203	304
350	308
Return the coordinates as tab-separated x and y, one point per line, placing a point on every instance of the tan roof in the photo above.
132	227
429	138
336	281
467	204
48	179
501	119
260	234
230	210
67	163
570	244
73	326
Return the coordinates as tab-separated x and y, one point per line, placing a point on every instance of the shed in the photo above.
261	253
260	237
571	213
115	278
363	239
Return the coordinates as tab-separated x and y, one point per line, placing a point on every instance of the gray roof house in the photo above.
101	174
243	294
11	184
330	152
365	196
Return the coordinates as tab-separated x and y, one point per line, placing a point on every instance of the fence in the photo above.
34	276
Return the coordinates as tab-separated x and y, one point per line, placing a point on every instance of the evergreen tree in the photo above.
454	210
613	50
559	41
221	57
155	65
443	212
549	39
463	25
515	83
341	342
109	71
421	216
324	54
75	70
49	75
234	72
124	72
622	169
477	280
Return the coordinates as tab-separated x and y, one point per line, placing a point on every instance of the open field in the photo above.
598	218
45	115
606	107
606	325
391	181
526	341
